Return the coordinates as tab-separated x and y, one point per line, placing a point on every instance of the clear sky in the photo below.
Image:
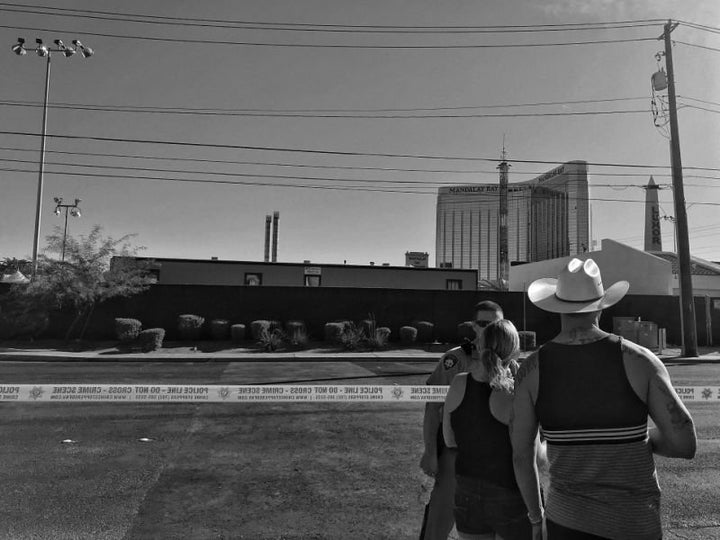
325	90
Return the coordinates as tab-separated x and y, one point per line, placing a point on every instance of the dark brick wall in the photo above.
161	304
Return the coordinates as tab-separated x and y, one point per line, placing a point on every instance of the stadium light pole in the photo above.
44	51
74	210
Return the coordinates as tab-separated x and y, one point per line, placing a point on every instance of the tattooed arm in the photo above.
523	435
674	434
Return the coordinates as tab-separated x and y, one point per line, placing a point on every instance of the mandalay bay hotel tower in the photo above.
488	227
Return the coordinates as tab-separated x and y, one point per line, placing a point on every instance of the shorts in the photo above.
555	531
482	507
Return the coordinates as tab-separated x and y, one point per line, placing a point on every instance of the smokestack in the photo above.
276	218
267	238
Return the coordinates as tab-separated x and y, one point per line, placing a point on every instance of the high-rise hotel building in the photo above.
545	218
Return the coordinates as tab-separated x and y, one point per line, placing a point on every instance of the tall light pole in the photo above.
43	51
687	304
74	212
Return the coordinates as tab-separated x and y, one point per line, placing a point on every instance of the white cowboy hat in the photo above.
577	289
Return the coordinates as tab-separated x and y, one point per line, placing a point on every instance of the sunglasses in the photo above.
481	324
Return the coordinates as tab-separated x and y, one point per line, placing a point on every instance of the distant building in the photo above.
307	274
546	217
652	273
416	259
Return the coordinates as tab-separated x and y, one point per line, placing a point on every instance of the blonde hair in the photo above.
501	345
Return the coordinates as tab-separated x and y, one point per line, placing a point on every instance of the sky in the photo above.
345	117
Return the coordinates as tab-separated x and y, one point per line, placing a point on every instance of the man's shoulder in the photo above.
453	357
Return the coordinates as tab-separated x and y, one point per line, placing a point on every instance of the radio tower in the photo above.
503	262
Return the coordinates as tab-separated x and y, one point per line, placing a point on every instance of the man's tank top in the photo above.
602	472
483	442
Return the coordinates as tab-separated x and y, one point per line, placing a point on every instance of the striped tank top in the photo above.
602	472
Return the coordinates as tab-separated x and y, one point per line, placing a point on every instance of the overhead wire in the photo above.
332	152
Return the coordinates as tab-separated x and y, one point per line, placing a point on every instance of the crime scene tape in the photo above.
159	393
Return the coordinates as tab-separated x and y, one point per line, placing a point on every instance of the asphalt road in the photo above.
91	488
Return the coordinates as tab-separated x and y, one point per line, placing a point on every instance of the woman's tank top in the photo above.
483	442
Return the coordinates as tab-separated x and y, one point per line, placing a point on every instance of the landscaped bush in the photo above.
258	328
367	326
189	326
237	333
219	328
379	339
425	331
528	340
271	340
275	325
292	326
333	331
408	335
466	331
127	329
298	339
151	339
352	336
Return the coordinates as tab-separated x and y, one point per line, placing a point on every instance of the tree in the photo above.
85	278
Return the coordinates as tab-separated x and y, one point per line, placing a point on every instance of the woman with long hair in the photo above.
488	503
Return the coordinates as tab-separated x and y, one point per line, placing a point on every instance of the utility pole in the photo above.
687	305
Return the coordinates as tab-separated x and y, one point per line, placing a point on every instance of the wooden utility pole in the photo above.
687	304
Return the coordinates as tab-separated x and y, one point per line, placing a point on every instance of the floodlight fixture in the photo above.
87	52
75	212
19	47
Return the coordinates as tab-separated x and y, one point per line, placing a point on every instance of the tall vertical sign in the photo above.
653	237
503	256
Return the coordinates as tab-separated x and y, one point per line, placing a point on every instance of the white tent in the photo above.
16	277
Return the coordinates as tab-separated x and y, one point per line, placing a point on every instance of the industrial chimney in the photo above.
276	218
267	238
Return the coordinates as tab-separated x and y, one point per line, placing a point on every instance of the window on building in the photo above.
154	274
312	281
453	284
253	279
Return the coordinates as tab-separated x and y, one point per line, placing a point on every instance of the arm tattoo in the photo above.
526	367
679	418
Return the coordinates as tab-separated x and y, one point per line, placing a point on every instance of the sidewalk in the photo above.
212	351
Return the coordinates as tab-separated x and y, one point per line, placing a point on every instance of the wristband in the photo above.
537	520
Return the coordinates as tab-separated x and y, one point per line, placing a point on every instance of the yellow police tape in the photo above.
184	393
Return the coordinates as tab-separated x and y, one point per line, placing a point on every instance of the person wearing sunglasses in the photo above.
437	460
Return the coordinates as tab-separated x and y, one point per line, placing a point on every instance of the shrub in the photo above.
368	326
425	331
237	333
352	336
151	339
333	331
258	328
298	338
408	335
271	340
379	339
292	326
528	340
219	328
189	326
127	330
466	331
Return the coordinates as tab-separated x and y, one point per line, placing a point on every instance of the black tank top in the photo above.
585	387
483	442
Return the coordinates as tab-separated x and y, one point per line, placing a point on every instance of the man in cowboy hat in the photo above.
438	460
591	394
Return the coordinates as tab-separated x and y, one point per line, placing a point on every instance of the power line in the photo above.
294	177
341	167
306	186
332	152
696	45
265	25
325	46
59	105
337	115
